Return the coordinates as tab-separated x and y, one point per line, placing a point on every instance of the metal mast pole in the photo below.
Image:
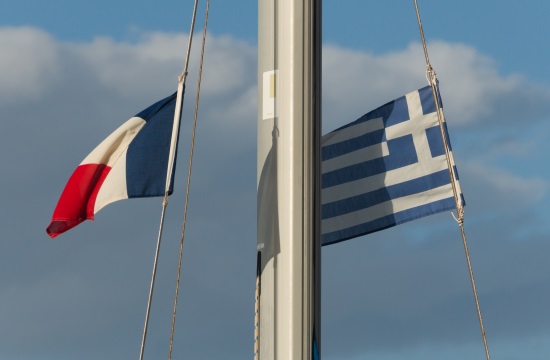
289	129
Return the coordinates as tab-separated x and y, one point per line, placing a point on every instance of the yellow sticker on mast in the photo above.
270	85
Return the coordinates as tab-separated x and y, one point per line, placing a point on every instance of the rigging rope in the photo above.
434	83
188	179
257	306
181	83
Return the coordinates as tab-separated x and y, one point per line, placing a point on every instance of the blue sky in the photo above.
71	72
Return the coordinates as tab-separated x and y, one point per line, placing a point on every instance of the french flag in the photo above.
131	163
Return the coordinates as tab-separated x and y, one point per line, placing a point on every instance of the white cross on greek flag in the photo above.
386	168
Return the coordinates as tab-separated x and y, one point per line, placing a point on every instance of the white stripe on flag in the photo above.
375	182
386	208
111	148
353	131
399	160
356	157
114	187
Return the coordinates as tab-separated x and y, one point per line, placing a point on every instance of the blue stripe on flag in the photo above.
384	194
388	221
409	171
147	156
401	154
345	147
394	112
435	141
427	100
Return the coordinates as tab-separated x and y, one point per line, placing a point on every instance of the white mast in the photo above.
289	128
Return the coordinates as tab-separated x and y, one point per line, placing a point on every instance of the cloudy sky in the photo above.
72	71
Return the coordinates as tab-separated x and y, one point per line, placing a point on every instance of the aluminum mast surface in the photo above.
289	128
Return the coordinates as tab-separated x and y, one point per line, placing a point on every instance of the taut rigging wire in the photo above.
434	83
181	83
188	179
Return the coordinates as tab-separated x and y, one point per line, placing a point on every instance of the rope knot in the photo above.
459	218
431	76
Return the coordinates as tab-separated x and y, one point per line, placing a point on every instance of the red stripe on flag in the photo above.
77	201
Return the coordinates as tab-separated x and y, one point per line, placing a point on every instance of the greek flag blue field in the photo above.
386	168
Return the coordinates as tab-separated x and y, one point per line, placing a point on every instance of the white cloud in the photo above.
230	65
472	88
128	68
510	188
354	82
29	62
105	79
469	80
159	57
36	62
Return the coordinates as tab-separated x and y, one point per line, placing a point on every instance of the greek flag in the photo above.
386	168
